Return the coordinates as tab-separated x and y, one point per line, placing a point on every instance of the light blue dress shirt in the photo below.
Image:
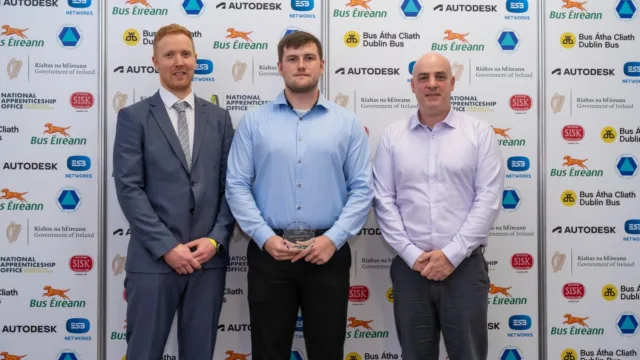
438	188
285	168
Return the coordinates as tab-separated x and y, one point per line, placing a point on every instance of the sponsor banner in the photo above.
49	213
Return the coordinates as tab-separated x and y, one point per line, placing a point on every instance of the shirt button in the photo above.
299	185
300	118
299	161
299	207
299	139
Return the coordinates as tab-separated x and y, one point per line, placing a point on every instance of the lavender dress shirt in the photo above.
438	188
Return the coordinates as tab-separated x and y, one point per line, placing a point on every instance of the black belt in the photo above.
317	233
477	251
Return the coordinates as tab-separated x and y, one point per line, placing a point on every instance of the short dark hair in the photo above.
297	39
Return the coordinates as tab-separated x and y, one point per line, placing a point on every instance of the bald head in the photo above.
431	62
432	83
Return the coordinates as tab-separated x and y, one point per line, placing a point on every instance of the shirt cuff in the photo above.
262	235
410	254
337	235
454	253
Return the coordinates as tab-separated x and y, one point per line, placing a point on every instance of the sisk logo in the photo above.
302	5
204	67
78	326
518	163
520	322
632	68
78	163
632	226
79	4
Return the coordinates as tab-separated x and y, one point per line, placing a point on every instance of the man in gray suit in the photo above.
169	166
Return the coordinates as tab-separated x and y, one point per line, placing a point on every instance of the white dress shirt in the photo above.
169	100
438	189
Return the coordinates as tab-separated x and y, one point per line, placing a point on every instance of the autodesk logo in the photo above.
236	5
466	8
411	9
193	7
368	71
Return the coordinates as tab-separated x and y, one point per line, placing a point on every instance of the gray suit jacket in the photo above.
164	203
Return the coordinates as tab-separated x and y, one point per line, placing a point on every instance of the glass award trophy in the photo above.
298	232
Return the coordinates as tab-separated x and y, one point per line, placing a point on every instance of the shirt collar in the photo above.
170	99
281	99
451	120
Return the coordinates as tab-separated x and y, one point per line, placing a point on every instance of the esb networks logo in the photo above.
632	69
204	67
302	9
632	227
81	5
518	7
518	165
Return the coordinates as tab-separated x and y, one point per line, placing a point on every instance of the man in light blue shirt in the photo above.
438	178
299	162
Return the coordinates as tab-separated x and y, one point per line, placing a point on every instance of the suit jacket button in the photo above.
193	183
191	210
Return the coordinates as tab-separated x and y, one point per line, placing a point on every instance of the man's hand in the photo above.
319	250
181	260
204	249
280	248
438	267
421	262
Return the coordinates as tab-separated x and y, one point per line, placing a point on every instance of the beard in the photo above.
301	89
177	86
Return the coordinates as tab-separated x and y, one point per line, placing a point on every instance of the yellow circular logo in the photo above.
568	198
567	40
131	37
609	292
352	39
608	134
390	295
569	354
353	356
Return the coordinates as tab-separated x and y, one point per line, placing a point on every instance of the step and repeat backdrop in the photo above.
592	108
49	179
50	121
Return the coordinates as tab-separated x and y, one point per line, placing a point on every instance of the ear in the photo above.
280	68
453	83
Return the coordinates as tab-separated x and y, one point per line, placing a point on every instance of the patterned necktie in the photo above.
183	130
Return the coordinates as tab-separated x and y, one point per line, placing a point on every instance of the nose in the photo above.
178	60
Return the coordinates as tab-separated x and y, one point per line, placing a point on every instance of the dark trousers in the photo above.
277	289
457	306
152	302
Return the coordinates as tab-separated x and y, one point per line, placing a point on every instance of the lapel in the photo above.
200	126
162	118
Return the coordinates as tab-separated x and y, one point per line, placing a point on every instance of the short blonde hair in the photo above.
171	30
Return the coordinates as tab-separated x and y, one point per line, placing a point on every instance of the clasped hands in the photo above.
184	261
434	265
318	250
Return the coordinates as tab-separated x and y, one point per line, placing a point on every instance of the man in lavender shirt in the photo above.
438	178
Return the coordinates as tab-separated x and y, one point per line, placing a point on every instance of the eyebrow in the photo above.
437	73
